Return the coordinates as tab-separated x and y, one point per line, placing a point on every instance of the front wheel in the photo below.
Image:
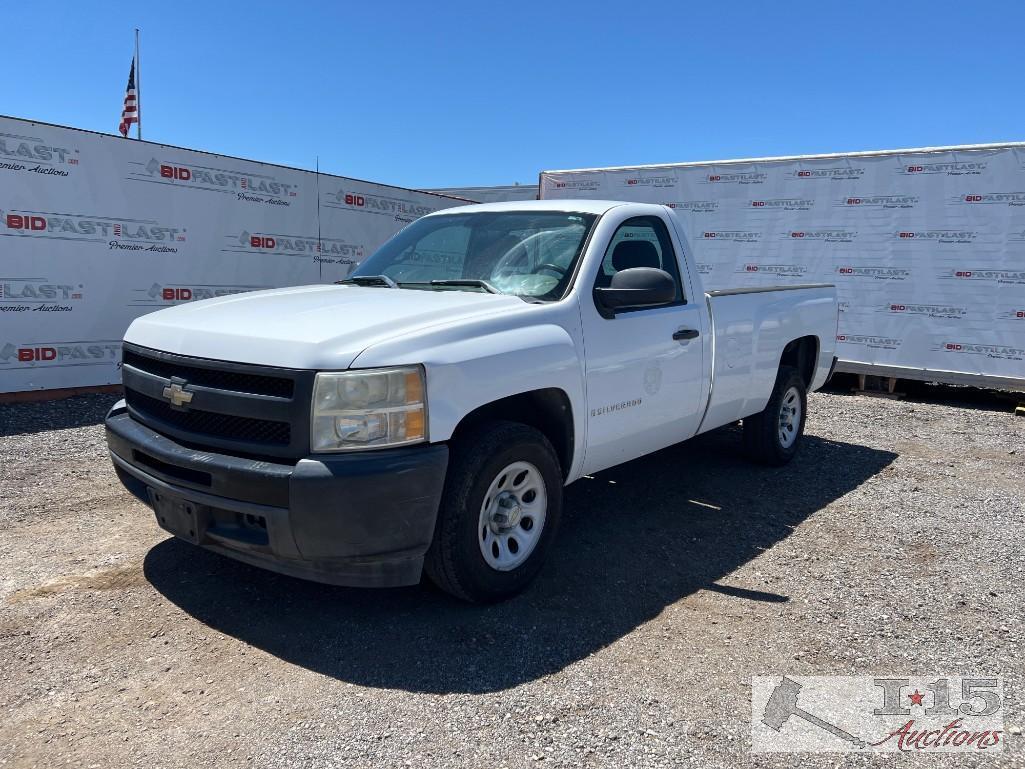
773	436
499	512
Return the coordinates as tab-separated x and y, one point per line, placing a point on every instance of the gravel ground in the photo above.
892	545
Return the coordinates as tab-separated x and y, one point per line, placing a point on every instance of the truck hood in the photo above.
307	327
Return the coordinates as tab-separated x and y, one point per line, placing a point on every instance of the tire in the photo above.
492	537
773	437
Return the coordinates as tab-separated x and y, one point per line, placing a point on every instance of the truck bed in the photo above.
750	328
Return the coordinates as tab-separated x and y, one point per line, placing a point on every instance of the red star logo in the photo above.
916	698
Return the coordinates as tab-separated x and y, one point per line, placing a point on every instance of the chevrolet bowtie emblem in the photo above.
177	395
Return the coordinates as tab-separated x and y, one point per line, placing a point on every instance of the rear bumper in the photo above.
364	520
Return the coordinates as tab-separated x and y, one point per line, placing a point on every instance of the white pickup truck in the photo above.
426	413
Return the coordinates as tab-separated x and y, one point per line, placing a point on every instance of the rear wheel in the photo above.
499	512
773	436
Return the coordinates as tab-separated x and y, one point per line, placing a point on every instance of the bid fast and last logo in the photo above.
985	276
19	295
779	270
822	235
158	295
578	185
694	206
731	236
872	341
400	209
936	236
946	311
246	187
783	204
872	272
320	249
742	177
1010	199
34	155
877	202
995	351
834	173
950	168
14	355
649	181
119	233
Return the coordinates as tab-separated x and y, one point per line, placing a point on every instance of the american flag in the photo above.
130	113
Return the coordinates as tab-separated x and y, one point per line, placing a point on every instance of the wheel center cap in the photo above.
508	512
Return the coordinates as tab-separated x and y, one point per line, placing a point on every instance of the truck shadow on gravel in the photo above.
634	540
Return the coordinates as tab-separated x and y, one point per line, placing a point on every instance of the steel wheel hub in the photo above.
512	516
507	513
789	417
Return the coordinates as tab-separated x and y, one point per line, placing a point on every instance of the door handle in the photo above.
685	333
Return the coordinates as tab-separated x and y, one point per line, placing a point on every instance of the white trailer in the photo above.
926	246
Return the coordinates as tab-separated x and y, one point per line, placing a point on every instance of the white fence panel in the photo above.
98	230
926	248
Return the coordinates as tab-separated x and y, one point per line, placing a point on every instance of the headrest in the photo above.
635	253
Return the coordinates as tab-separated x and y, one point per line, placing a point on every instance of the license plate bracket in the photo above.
181	517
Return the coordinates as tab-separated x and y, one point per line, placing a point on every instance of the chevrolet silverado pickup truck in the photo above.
425	414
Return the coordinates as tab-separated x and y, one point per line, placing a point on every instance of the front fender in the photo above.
467	373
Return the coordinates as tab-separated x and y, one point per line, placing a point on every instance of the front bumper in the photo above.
364	519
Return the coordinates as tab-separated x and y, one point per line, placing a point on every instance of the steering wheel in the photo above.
549	266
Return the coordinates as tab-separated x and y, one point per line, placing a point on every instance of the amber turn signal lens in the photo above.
414	425
414	388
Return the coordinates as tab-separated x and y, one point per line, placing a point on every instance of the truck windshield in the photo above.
530	254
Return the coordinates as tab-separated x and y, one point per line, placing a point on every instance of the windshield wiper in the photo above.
471	282
369	280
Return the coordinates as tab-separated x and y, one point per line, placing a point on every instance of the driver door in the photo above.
643	367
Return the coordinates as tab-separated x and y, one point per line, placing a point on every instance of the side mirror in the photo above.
633	288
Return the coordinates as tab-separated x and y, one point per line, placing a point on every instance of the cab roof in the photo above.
568	206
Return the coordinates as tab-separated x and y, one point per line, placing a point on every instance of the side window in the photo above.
640	242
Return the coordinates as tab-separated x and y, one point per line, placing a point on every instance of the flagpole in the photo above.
138	88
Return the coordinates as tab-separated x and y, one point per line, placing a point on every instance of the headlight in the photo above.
372	408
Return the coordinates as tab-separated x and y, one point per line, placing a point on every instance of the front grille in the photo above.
235	381
211	425
230	411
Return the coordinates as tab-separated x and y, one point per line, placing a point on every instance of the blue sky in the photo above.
469	93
